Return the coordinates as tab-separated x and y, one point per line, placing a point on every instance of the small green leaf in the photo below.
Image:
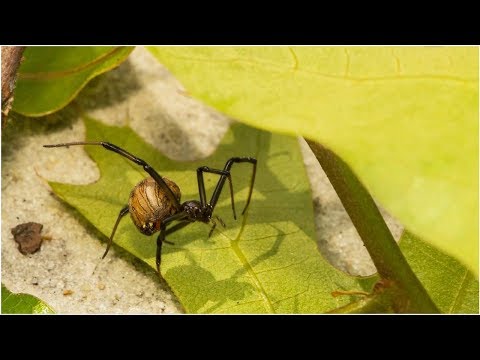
50	77
23	304
451	285
265	262
404	119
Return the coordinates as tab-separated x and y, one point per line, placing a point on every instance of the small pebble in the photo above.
101	286
34	280
28	237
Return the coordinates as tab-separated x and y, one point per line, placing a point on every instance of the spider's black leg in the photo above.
213	228
201	185
122	213
151	171
174	228
221	221
163	232
221	182
215	225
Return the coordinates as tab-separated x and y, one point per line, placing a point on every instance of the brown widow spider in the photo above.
155	201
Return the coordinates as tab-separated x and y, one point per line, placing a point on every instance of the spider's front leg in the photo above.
201	186
224	175
116	149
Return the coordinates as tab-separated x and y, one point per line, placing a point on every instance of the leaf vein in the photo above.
434	77
285	267
461	290
43	75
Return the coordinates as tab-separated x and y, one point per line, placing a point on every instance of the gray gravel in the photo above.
67	272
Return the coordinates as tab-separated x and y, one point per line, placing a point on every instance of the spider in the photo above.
154	202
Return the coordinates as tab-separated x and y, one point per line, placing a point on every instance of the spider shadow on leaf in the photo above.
211	293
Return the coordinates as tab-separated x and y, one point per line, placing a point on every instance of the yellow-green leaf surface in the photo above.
451	285
23	304
404	118
265	262
50	77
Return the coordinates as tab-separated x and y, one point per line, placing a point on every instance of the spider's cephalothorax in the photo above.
155	201
196	212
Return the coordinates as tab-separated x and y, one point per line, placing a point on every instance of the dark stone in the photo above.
28	237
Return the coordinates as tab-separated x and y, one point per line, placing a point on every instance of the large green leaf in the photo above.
451	286
50	77
23	304
264	262
405	119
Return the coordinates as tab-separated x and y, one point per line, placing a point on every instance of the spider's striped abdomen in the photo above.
149	205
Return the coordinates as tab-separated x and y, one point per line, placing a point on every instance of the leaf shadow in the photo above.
109	88
218	291
267	254
19	128
209	290
106	89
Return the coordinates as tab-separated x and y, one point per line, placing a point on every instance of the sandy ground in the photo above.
143	94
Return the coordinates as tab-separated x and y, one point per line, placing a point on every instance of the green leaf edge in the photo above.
128	50
39	308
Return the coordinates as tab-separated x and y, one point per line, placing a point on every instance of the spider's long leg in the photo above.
151	171
221	182
174	228
201	185
215	225
122	213
213	228
163	232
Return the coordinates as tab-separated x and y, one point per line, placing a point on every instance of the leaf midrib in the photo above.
234	245
460	294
